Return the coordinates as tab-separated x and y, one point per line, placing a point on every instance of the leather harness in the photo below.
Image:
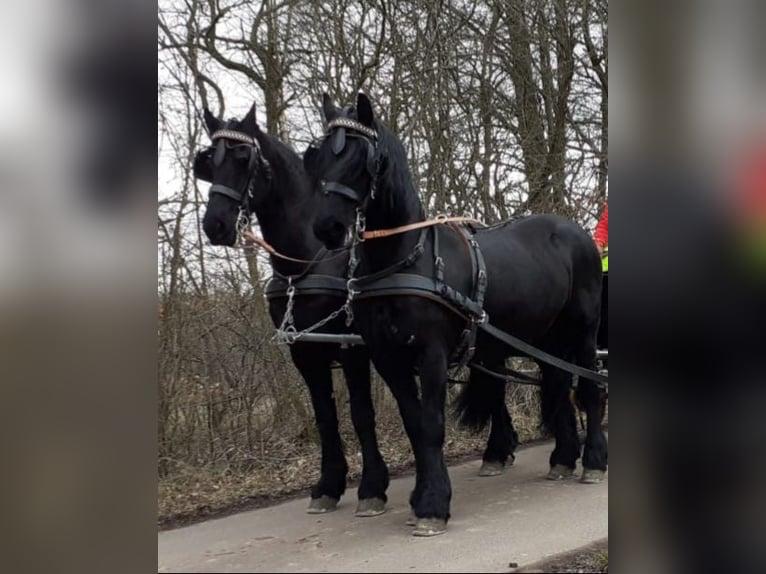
395	281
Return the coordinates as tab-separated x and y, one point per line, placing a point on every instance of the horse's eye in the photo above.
241	155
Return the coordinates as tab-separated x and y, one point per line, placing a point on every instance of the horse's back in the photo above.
535	265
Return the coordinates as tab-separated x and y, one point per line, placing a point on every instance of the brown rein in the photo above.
251	238
377	233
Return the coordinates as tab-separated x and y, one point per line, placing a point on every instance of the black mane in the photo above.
396	195
280	153
395	183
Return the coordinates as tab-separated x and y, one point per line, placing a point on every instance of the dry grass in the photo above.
591	558
235	423
289	462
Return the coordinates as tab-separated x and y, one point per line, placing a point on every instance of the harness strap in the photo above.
467	346
542	355
419	286
438	261
411	292
340	189
228	192
315	284
389	282
377	233
401	282
470	307
481	288
403	264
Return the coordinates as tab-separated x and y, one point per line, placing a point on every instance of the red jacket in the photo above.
751	185
601	235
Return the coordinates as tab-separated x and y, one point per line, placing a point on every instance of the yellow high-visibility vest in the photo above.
605	260
753	253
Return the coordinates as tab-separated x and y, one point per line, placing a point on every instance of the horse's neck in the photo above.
285	218
383	252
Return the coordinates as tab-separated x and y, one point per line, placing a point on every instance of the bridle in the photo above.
337	131
216	153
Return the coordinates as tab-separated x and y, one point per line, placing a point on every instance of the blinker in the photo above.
338	140
220	152
202	169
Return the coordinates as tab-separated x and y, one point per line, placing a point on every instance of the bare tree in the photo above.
502	108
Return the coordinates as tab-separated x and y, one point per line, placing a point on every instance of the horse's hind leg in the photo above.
559	417
502	439
592	399
372	489
314	366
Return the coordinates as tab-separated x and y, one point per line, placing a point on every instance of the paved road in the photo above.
516	517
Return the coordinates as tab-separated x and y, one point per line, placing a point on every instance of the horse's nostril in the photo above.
215	229
321	227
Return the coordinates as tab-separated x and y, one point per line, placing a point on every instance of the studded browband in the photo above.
234	135
354	125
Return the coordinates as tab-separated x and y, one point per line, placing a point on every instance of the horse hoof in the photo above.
559	472
491	468
370	507
322	504
430	527
412	520
592	476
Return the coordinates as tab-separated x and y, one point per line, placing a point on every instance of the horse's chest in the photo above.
390	320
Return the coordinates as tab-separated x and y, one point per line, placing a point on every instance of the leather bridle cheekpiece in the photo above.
256	157
336	131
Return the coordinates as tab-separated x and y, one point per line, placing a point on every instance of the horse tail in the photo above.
476	401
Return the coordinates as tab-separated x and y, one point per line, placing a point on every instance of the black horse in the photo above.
543	286
253	172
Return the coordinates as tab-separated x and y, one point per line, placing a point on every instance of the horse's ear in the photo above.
211	121
309	159
249	124
329	110
364	110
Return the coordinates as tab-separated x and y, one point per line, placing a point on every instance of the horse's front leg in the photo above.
372	488
314	366
399	378
432	508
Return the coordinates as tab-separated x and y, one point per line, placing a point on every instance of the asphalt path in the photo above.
518	517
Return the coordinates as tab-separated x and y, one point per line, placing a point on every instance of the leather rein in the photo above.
250	239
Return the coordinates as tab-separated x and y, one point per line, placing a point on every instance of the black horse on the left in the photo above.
254	173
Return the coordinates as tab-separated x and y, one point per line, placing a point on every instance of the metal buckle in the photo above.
243	222
350	288
349	299
360	225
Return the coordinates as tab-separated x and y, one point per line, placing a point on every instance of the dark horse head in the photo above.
239	172
357	165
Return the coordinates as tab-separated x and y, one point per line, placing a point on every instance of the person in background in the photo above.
601	237
750	206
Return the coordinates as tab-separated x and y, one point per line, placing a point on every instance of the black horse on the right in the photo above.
543	286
